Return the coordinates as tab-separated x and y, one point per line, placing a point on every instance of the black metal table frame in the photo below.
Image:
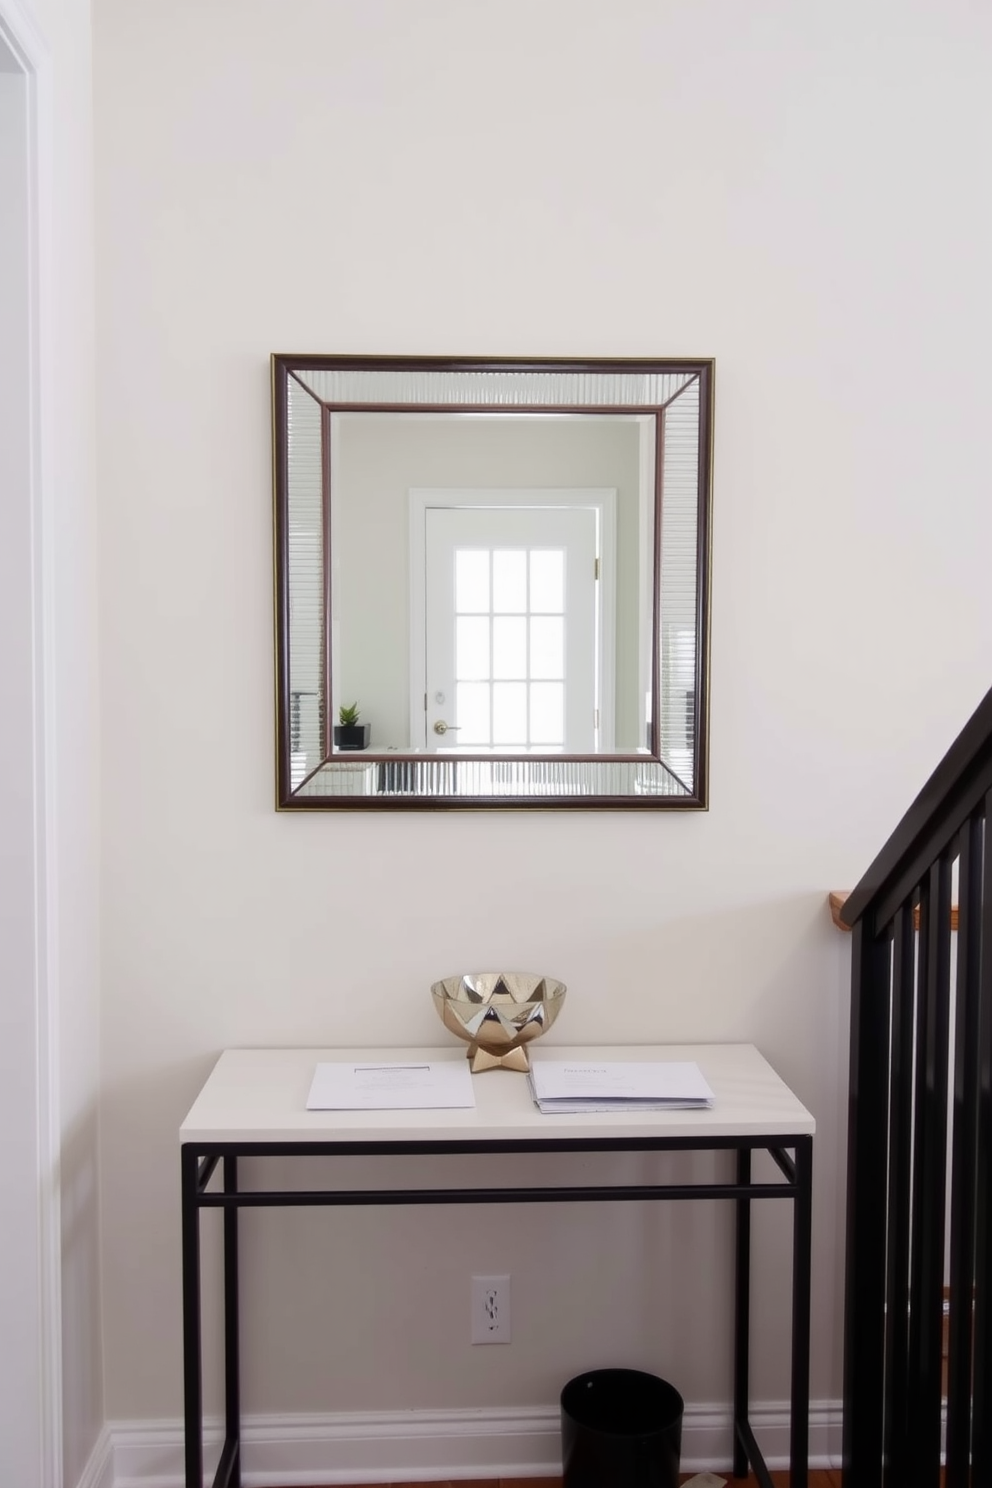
201	1159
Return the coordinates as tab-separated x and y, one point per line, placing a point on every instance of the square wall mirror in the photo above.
503	568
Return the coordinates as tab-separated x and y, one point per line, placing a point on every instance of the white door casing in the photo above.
30	1372
497	527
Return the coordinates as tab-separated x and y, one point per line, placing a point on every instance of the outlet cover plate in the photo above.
490	1309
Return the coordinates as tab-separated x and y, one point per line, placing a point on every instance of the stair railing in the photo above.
920	1141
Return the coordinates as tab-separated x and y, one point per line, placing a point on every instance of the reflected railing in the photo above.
443	779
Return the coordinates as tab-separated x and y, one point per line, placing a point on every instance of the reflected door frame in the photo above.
602	499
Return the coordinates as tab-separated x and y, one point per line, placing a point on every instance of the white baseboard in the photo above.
291	1451
99	1470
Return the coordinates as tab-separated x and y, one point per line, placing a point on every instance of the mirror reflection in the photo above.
504	567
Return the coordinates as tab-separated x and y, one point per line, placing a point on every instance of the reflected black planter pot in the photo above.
352	735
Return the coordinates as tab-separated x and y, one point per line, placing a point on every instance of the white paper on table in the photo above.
605	1085
391	1086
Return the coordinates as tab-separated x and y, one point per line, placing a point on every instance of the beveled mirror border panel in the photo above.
399	780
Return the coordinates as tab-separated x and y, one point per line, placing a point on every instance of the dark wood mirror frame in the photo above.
309	392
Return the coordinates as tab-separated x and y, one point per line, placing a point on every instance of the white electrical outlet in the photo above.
490	1309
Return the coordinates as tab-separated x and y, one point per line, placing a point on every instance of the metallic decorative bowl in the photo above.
498	1013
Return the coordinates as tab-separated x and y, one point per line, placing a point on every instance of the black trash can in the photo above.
620	1428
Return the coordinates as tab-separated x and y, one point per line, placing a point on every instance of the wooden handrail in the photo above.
838	898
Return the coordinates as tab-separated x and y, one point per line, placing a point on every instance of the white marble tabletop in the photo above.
259	1095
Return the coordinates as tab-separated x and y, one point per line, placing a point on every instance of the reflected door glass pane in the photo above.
547	647
472	707
547	713
510	581
510	647
509	712
471	647
547	581
471	582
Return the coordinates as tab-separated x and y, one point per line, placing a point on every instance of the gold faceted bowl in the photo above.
498	1013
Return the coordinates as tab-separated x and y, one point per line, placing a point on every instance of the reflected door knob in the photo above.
445	728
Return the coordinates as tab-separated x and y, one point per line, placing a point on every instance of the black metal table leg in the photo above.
801	1265
192	1367
742	1314
232	1365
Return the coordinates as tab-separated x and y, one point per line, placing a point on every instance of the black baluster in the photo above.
964	1140
926	1314
866	1177
981	1465
900	1169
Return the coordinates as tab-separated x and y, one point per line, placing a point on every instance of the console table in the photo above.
254	1104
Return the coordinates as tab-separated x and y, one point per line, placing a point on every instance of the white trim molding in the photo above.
418	1446
99	1470
24	42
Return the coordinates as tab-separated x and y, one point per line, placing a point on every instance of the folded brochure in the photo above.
567	1086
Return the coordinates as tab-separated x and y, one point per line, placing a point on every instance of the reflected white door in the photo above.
511	628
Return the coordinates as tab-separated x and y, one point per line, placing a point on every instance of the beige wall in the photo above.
370	175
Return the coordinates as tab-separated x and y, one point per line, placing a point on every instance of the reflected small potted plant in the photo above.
348	732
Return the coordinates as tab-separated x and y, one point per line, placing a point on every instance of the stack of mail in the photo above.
568	1086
